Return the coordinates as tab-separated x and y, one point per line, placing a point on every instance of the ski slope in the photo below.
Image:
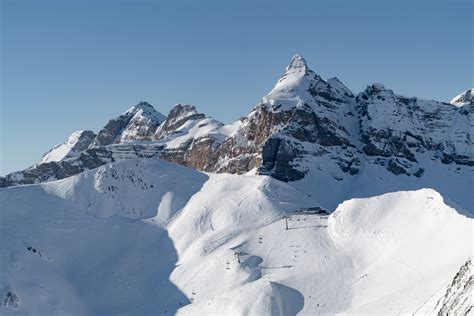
402	246
151	238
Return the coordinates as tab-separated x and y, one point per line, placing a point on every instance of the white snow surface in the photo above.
145	237
402	246
64	150
197	128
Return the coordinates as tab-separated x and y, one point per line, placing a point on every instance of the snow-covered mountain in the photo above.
305	128
465	98
152	238
182	214
312	131
138	123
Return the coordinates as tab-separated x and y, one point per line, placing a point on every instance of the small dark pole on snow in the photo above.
286	222
238	256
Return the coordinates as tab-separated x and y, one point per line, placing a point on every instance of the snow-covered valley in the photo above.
146	237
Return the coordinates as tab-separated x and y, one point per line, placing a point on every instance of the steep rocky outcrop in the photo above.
396	130
303	116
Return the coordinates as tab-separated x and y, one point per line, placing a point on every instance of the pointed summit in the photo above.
294	74
144	106
297	65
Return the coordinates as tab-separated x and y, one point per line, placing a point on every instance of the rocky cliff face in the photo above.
307	121
304	123
395	131
303	117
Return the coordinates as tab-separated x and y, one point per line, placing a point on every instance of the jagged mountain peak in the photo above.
141	105
178	115
180	109
297	64
295	76
305	127
145	109
465	98
301	88
138	123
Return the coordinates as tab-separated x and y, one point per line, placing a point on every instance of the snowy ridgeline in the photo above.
145	237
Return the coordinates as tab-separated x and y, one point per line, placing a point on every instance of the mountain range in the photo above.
305	128
183	214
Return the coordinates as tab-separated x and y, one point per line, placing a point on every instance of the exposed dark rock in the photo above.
419	172
10	300
395	168
278	160
457	300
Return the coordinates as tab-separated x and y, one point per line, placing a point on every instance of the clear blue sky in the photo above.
72	65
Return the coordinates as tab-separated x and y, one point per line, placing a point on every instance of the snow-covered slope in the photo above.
148	237
404	247
77	142
58	258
